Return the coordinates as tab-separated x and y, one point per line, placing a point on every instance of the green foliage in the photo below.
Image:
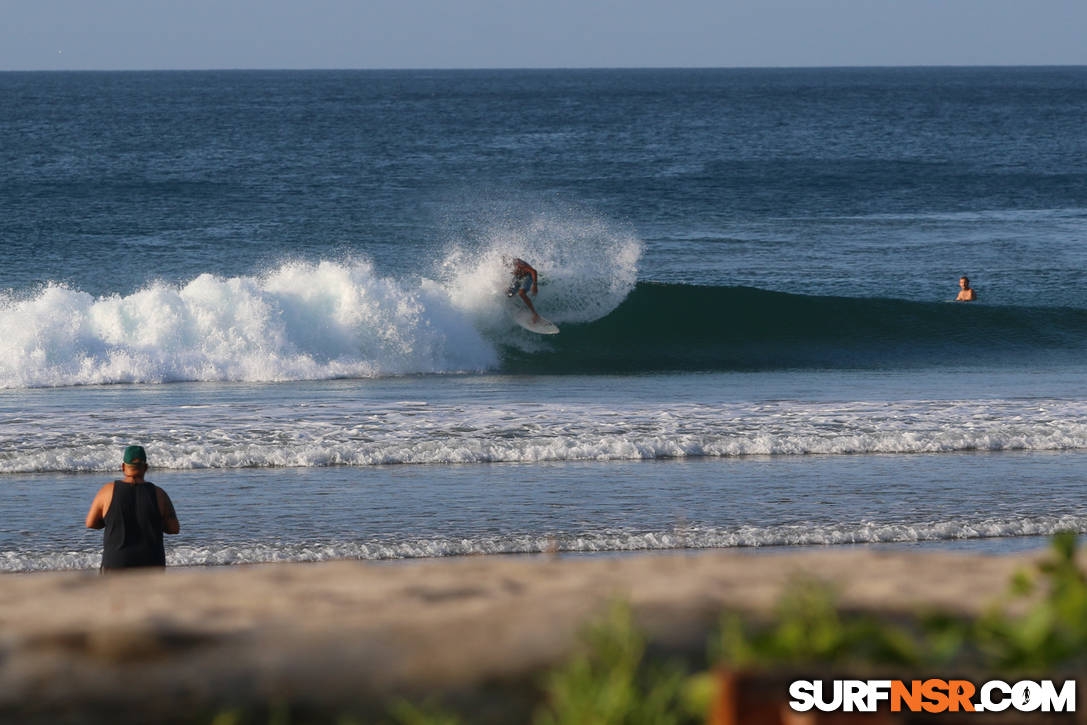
406	713
1039	626
611	684
227	717
698	693
808	629
1050	631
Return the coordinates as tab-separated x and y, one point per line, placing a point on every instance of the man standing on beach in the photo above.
135	513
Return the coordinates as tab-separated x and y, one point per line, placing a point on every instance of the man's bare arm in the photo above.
170	524
96	515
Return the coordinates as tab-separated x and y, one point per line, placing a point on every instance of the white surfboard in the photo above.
523	317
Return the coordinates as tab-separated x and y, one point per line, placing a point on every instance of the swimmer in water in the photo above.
966	292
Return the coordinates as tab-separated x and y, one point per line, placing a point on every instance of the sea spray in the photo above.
587	266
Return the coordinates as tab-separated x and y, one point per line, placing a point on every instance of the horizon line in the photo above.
540	68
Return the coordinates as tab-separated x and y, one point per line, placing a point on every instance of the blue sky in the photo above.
198	34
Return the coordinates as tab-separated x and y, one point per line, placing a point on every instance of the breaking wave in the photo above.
312	321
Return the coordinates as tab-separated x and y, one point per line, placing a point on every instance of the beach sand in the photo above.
186	643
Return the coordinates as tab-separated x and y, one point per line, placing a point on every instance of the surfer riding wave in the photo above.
524	281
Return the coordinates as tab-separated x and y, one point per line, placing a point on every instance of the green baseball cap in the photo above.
134	455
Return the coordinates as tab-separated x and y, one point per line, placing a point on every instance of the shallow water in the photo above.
262	472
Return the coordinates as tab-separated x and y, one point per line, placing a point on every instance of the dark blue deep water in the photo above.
860	182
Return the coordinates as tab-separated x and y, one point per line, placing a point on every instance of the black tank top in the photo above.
133	535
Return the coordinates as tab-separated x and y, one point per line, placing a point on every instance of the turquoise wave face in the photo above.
683	327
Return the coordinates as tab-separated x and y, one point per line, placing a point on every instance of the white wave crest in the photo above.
354	433
300	322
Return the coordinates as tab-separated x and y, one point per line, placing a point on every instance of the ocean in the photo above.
288	286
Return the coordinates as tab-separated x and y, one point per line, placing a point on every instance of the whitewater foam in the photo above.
363	432
322	320
301	321
613	540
